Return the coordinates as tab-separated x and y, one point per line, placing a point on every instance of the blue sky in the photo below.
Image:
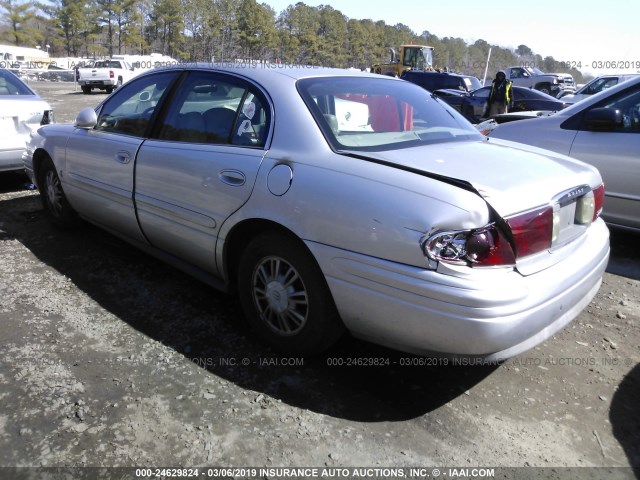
595	34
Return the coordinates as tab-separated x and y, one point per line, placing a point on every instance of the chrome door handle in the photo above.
234	178
123	157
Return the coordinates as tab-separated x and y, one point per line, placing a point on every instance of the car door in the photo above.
474	104
520	101
201	164
100	162
616	153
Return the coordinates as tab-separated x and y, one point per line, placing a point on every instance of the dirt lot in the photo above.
111	358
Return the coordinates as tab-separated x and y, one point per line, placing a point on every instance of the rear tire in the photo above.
285	296
86	90
56	206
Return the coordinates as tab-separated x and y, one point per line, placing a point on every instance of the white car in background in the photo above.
604	131
21	111
598	85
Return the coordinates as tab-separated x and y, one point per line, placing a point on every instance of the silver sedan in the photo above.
603	130
331	201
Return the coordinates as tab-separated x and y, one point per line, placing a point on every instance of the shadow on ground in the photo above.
203	325
625	258
624	416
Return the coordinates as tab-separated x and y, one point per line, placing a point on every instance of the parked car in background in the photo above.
401	224
472	104
603	130
53	73
597	85
490	124
21	111
431	81
554	84
105	75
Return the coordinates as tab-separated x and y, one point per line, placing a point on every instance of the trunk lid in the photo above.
511	177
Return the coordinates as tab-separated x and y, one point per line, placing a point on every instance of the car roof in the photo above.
257	71
277	80
533	90
615	75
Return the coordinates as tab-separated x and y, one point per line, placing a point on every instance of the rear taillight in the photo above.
598	195
480	247
111	74
532	231
47	117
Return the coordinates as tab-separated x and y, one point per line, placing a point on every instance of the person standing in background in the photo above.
500	97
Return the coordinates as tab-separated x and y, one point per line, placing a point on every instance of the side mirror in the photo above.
603	119
86	119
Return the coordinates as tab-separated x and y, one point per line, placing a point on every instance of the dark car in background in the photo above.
53	73
472	104
431	81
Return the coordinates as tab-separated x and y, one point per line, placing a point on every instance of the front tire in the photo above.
285	296
56	206
544	88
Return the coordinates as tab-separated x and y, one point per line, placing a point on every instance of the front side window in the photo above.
482	93
130	109
601	84
376	114
217	109
628	103
409	57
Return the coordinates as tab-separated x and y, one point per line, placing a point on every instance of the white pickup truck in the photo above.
105	75
554	84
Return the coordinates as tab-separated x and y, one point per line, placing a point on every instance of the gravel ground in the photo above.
111	358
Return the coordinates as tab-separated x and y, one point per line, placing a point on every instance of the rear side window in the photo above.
217	109
453	82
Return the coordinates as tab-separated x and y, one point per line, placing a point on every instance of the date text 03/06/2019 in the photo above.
283	473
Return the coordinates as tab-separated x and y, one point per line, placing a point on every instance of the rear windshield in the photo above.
379	113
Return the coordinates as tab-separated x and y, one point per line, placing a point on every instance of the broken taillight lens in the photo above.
531	232
482	247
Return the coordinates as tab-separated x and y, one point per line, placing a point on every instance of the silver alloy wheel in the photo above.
280	296
54	192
